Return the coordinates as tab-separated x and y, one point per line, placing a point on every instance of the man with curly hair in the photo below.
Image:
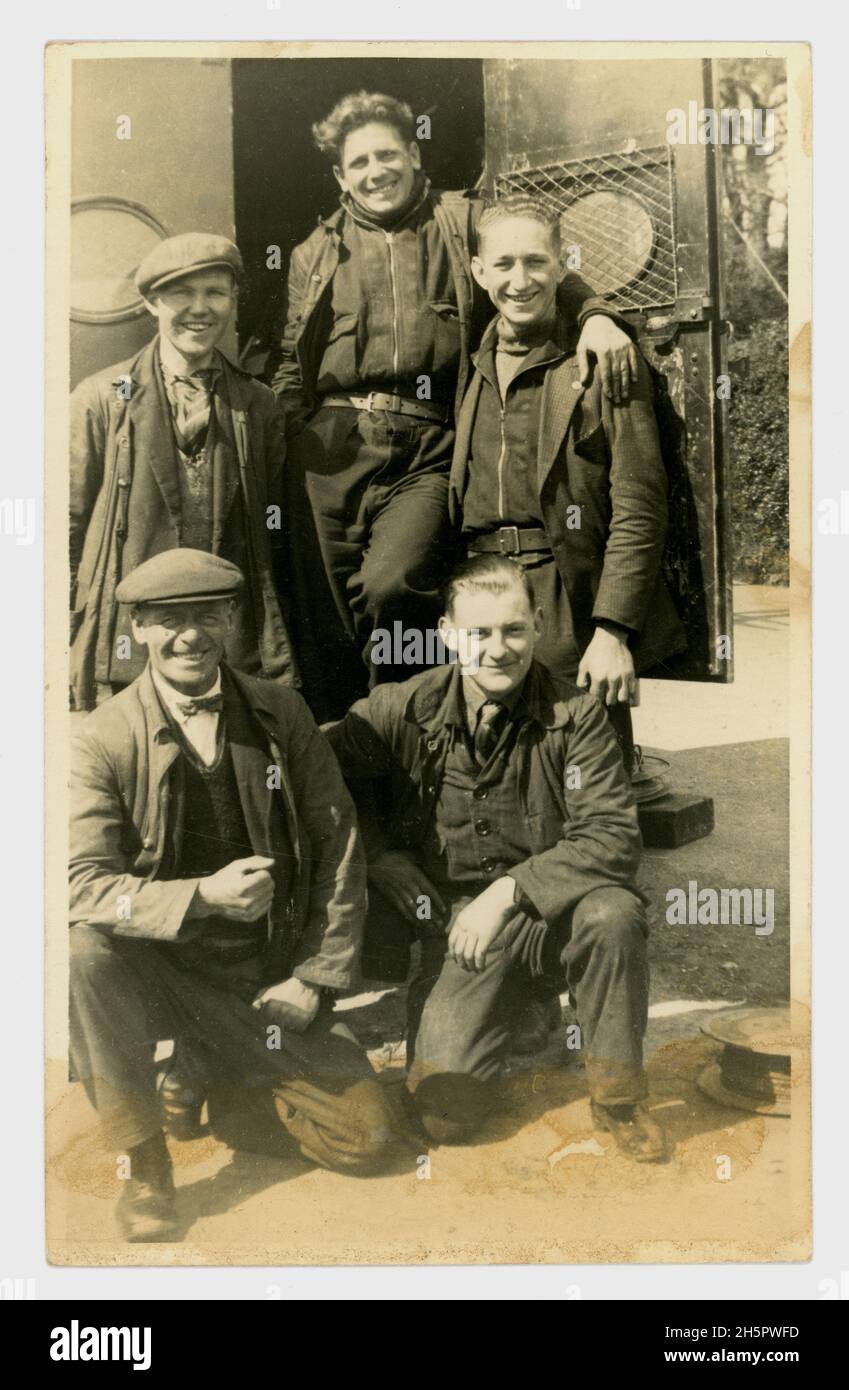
383	313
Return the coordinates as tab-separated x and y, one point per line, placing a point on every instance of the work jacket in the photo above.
583	828
309	317
125	507
127	824
602	489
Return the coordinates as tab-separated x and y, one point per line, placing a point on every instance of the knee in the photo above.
377	1132
450	1108
614	917
384	585
91	954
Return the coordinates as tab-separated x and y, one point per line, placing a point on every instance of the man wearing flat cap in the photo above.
217	896
175	447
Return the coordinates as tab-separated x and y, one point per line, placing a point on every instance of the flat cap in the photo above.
183	255
176	576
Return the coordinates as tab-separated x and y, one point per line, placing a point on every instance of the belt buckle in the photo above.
370	402
515	548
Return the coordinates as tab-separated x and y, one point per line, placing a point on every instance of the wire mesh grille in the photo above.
618	209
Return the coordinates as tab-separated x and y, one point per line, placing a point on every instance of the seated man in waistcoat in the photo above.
217	896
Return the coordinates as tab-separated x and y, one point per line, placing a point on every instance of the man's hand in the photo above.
293	1004
615	353
607	666
403	883
242	891
481	922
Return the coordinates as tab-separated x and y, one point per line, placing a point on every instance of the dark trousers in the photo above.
315	1093
460	1023
370	545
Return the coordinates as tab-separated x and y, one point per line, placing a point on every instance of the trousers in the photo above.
370	544
313	1092
460	1023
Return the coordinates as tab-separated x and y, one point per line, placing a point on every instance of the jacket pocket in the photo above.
446	331
342	325
593	446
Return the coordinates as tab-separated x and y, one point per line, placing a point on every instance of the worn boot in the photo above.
147	1209
634	1131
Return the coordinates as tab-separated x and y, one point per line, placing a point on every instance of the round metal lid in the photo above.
764	1031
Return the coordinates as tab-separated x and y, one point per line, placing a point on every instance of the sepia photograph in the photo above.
428	713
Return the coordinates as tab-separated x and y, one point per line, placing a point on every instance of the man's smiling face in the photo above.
494	636
378	168
520	268
185	641
193	312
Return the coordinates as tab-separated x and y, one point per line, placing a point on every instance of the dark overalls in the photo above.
371	542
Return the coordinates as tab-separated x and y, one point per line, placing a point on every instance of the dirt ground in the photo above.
541	1186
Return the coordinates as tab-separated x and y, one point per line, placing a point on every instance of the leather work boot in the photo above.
634	1130
146	1209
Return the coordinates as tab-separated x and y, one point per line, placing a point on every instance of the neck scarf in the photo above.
391	221
519	341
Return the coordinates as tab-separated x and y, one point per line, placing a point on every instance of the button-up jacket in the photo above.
566	770
126	825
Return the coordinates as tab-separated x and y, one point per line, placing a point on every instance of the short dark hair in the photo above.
520	205
489	574
358	109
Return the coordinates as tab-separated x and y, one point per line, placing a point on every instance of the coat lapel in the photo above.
561	393
462	447
250	764
150	423
229	410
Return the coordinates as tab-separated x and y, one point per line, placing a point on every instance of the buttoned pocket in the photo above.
342	325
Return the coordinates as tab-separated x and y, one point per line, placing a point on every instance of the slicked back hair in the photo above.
358	109
488	574
520	205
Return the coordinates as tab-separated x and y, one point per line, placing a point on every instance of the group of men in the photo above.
233	866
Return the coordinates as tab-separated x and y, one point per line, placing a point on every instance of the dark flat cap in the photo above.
183	255
176	576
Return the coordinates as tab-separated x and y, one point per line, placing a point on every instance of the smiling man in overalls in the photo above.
383	313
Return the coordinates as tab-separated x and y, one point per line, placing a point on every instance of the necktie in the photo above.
488	730
192	401
212	704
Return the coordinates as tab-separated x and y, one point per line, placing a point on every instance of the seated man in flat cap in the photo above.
175	447
218	891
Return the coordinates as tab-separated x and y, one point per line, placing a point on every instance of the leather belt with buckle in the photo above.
510	540
398	405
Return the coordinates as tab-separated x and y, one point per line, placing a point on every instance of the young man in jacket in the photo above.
508	842
549	469
382	315
217	896
175	447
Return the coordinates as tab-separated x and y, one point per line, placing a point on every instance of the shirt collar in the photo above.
438	701
171	698
474	700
